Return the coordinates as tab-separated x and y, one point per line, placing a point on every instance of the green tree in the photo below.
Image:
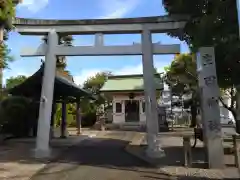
22	109
95	83
7	12
181	77
88	108
213	23
14	81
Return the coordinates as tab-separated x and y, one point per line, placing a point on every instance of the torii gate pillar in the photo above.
154	147
45	110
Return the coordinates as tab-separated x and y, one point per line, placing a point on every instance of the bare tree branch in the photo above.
232	97
225	105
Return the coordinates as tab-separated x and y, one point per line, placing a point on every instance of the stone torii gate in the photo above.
53	28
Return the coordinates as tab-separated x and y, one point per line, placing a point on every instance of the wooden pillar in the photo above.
78	117
64	119
52	120
236	146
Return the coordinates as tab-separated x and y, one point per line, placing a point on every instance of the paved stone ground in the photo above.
17	161
101	159
172	163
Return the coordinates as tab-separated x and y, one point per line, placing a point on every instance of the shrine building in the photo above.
127	94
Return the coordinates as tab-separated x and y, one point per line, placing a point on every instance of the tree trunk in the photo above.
1	63
237	118
194	115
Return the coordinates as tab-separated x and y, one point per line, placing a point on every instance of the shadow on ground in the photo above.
108	154
175	156
22	150
100	152
99	156
104	154
203	178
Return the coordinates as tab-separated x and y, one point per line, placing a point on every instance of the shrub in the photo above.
88	119
17	116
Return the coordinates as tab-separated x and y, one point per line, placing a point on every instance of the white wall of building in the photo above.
119	117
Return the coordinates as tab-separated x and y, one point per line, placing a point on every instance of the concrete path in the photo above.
101	159
17	161
172	163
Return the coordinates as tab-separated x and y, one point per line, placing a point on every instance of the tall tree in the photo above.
7	12
94	84
66	41
214	23
61	60
181	77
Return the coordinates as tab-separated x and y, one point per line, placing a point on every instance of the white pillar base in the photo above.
154	149
41	153
155	153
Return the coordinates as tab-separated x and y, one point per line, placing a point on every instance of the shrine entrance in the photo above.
99	27
132	111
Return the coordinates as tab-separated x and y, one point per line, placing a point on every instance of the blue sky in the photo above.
83	67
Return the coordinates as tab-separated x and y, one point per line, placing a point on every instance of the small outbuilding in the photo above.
65	91
127	94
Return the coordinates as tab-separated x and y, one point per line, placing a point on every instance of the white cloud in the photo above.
34	5
85	74
117	8
8	73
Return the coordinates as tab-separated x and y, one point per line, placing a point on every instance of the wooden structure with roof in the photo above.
127	93
64	88
65	91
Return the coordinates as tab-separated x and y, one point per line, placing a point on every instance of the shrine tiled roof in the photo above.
63	87
129	83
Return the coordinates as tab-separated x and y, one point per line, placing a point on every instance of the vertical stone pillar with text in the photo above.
210	106
154	146
45	109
